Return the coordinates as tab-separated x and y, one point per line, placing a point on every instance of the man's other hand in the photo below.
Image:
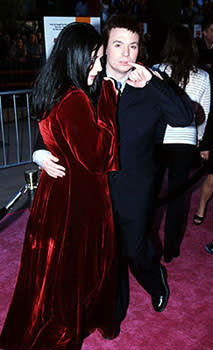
47	162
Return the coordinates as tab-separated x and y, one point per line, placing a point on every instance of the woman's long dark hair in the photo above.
68	65
181	54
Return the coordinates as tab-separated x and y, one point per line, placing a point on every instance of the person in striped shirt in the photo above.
176	147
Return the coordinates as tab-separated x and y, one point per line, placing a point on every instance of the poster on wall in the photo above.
53	26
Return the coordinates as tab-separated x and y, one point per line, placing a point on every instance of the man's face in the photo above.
208	34
122	48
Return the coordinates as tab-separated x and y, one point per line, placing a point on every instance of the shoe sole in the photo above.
165	284
208	250
112	338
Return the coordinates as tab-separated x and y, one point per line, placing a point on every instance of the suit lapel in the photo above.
128	95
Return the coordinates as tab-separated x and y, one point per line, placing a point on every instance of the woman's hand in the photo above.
51	167
48	162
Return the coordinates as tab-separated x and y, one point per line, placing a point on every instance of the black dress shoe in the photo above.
168	257
159	302
209	247
117	332
170	253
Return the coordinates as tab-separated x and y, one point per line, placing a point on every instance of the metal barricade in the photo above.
18	130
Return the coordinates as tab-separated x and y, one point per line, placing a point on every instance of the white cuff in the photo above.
39	156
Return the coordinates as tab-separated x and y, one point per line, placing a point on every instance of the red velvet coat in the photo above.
67	280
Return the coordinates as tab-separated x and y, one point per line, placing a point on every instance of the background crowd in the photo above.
27	44
195	11
24	49
21	47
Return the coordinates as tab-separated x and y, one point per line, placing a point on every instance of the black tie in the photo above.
119	85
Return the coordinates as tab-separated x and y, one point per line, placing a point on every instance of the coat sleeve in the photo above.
205	103
90	132
175	105
39	144
207	141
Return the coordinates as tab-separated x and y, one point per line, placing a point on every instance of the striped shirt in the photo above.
199	90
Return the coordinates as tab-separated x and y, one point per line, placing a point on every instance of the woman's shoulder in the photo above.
108	85
201	73
198	83
73	95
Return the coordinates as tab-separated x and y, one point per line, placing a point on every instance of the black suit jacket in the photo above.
132	187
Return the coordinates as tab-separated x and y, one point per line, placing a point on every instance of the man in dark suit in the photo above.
140	107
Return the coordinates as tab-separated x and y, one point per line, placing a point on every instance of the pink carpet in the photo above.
187	322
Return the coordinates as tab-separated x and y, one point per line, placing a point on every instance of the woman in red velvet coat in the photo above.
66	286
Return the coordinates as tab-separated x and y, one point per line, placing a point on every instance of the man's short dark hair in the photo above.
121	21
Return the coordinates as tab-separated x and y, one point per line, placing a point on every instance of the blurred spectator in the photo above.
81	8
178	150
24	37
205	47
207	9
40	38
133	7
15	38
41	44
186	13
146	9
20	57
105	6
208	34
5	48
197	16
33	49
19	51
195	12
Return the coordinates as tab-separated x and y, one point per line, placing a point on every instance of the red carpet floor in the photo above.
187	322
